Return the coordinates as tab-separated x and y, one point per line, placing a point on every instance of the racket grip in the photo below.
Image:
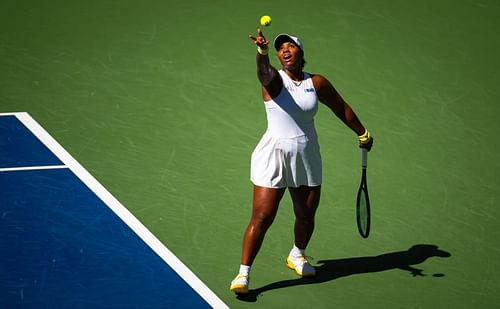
364	158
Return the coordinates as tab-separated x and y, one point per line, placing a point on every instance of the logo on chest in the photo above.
291	88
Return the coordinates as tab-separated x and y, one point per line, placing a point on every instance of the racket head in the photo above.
363	215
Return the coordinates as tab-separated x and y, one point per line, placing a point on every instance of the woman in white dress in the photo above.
288	155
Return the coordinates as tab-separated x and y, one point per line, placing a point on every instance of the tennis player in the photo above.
288	155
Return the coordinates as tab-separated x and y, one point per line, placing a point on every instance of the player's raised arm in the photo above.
267	74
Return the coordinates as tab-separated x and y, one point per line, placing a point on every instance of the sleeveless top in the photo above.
288	154
291	113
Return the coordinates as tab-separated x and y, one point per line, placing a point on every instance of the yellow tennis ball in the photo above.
265	20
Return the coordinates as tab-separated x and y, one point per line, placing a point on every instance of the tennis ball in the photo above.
265	20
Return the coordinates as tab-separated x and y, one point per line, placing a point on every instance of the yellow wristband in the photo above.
263	51
365	138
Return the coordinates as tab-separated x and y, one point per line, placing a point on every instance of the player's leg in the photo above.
265	207
305	203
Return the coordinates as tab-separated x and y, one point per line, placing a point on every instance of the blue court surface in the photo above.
67	243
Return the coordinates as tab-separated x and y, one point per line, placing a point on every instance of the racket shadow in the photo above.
329	270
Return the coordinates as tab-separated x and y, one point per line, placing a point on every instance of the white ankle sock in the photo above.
296	251
244	269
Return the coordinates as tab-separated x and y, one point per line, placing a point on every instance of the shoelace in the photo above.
302	259
241	276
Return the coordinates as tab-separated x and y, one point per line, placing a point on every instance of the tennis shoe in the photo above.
301	266
240	284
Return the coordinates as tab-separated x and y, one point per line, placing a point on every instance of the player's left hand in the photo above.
259	40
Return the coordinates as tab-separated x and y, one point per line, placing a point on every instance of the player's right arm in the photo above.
267	74
329	96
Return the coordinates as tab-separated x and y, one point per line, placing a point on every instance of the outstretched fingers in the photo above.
260	39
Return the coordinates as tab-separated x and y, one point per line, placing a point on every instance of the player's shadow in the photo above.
332	269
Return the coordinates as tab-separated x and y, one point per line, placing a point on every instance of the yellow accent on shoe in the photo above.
240	284
301	266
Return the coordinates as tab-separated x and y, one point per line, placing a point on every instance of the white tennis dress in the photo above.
288	154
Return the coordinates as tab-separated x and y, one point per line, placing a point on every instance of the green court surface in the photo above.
159	101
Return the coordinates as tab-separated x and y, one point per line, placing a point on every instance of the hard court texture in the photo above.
159	100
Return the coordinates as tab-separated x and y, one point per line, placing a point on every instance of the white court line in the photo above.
31	168
10	114
208	295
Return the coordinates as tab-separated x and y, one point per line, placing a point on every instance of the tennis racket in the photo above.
362	200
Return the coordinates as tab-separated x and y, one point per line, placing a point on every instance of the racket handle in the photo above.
364	158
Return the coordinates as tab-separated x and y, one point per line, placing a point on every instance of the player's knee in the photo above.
305	219
262	220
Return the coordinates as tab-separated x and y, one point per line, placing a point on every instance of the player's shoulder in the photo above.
319	80
316	75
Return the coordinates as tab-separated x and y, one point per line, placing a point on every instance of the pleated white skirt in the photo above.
286	162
